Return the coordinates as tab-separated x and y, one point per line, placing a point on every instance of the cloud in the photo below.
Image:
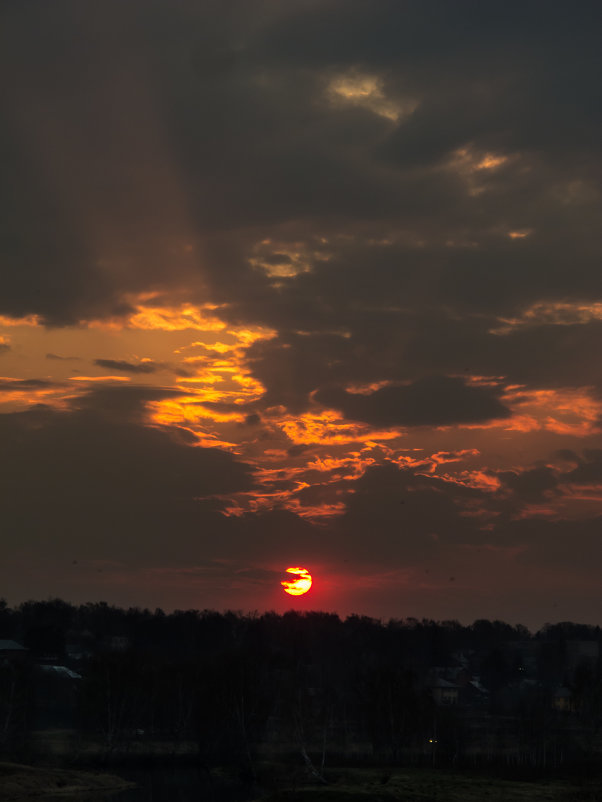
402	193
95	481
9	385
279	160
128	367
587	468
432	401
531	485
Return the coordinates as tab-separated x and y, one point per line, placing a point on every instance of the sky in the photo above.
308	283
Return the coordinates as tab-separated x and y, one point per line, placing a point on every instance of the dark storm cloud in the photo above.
455	53
127	367
588	468
134	131
398	517
401	347
407	517
432	401
531	485
94	482
292	366
122	404
536	355
402	517
542	485
195	150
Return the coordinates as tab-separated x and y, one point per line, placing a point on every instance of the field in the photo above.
381	785
18	782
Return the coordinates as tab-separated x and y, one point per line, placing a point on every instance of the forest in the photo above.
233	688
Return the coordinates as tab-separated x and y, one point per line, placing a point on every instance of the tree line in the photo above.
236	686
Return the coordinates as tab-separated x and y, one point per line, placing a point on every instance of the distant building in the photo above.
77	652
119	643
563	700
444	692
56	697
80	644
60	671
12	652
455	685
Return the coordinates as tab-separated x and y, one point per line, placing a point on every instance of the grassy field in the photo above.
379	785
19	782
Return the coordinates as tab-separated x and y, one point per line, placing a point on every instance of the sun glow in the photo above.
300	585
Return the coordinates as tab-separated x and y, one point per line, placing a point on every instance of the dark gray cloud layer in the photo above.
406	191
94	485
136	129
127	367
96	482
432	401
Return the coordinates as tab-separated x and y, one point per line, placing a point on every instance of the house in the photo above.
119	643
444	692
12	652
456	685
563	700
56	690
77	652
60	671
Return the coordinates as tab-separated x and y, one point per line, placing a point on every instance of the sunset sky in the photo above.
303	282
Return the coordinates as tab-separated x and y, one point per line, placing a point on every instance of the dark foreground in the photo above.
18	781
278	782
416	785
484	712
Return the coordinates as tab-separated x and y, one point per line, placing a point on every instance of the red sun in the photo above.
300	585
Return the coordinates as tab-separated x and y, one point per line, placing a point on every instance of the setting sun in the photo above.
300	585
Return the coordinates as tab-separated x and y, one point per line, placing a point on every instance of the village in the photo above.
109	683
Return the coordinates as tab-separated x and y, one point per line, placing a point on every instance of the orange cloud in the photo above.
490	161
17	394
550	313
366	389
175	318
368	91
254	502
432	462
573	412
28	320
189	410
473	167
479	480
328	428
348	468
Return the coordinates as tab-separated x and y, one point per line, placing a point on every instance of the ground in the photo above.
18	782
396	785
